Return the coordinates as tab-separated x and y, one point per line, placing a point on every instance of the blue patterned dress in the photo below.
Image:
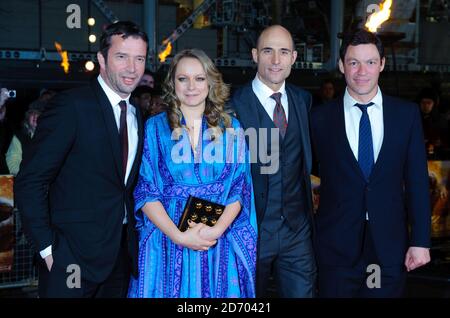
169	173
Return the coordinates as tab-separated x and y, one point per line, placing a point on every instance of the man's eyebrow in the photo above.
121	53
271	48
365	60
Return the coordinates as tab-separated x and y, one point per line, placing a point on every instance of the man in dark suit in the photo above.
281	164
75	184
374	182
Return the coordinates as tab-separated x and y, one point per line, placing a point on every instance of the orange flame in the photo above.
65	59
162	56
377	18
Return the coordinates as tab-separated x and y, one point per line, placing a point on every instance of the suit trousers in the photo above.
58	283
359	281
288	257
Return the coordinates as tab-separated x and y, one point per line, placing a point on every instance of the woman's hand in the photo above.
192	239
209	233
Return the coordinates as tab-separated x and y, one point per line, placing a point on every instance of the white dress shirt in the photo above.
132	129
263	92
132	124
353	115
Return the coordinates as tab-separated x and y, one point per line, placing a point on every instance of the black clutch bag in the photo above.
199	210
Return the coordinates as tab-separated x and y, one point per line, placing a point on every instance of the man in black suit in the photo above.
280	167
75	184
374	182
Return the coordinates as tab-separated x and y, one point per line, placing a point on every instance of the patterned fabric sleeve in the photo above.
147	188
241	166
241	185
243	232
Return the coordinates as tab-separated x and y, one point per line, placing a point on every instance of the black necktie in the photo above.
365	144
123	135
279	116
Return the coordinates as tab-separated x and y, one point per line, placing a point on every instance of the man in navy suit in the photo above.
281	165
75	184
374	182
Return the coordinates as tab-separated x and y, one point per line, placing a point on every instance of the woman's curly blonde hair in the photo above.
217	118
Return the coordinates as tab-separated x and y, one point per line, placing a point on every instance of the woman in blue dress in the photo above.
195	149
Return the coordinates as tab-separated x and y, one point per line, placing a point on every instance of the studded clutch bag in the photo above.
199	210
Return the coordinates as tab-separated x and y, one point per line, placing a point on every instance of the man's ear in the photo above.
255	55
101	60
383	63
341	66
294	57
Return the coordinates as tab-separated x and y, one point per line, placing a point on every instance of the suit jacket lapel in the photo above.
251	112
298	106
110	123
342	137
388	126
248	115
137	160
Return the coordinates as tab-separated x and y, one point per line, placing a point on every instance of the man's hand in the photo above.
416	257
3	96
49	262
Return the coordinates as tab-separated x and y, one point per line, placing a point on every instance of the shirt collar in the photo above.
263	92
113	97
349	101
